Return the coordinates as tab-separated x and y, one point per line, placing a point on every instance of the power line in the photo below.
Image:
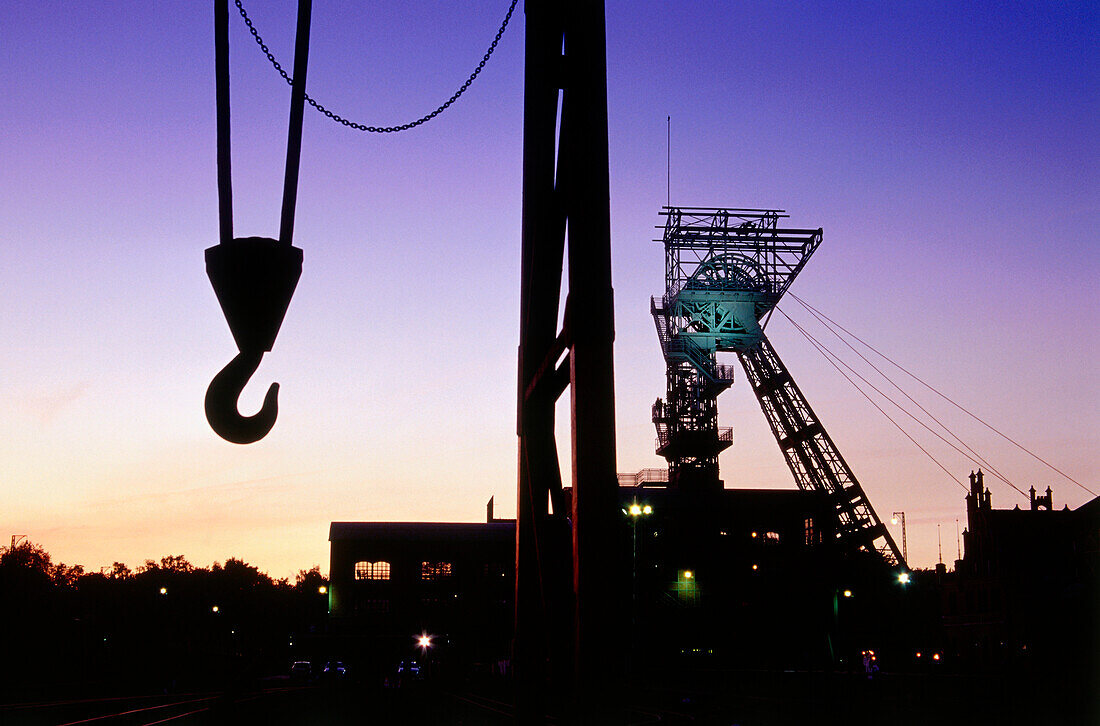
989	426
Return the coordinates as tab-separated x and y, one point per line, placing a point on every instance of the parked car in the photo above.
300	671
408	668
334	670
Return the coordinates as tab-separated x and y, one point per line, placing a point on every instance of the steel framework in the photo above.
725	270
812	456
567	596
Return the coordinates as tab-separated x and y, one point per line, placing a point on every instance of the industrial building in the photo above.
1026	589
400	589
729	574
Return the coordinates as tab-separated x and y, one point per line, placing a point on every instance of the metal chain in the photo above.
379	129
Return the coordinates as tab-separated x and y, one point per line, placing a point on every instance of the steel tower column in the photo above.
569	188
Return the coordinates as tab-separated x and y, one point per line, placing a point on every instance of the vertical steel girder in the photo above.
812	456
567	594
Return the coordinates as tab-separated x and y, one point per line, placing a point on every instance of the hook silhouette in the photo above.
221	402
253	277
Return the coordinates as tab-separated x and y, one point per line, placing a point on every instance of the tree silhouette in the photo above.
153	627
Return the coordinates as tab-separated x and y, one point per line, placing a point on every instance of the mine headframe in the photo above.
725	271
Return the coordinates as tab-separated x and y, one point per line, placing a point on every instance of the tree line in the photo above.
163	625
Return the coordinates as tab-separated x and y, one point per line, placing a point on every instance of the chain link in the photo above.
378	129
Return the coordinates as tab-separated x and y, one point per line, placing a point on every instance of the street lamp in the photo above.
904	549
635	511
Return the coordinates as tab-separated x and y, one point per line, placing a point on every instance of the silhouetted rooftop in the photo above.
421	531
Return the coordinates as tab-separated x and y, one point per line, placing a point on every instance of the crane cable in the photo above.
977	458
828	355
379	129
941	395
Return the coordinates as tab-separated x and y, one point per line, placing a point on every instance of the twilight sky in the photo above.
949	150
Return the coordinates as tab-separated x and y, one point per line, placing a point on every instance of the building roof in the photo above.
421	531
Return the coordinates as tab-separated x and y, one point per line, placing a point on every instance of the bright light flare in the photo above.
423	641
647	509
903	578
847	593
635	510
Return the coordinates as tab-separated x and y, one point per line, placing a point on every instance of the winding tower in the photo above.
725	271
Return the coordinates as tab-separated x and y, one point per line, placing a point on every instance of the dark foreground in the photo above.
745	698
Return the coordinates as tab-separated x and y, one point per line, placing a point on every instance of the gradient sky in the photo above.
949	150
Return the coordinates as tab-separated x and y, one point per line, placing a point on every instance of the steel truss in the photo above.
812	456
725	270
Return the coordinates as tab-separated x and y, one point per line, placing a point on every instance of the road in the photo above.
720	698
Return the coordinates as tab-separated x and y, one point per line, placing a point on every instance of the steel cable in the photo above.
943	395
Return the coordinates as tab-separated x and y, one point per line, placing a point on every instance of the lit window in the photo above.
810	535
771	538
435	570
372	570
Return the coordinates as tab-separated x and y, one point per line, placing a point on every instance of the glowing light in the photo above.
755	567
424	641
847	593
647	509
688	574
754	535
635	510
918	654
893	520
214	609
322	590
903	578
935	656
164	591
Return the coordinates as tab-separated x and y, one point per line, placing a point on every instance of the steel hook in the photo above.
221	402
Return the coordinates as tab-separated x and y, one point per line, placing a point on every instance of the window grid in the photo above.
372	570
435	570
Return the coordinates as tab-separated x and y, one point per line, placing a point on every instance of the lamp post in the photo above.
904	550
635	511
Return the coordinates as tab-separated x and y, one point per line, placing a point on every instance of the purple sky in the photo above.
949	150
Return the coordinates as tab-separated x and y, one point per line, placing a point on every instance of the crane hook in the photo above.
222	396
